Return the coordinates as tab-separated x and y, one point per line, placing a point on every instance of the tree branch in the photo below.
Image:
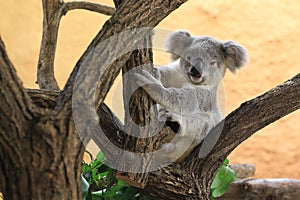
95	7
256	114
257	189
53	10
16	107
130	15
239	125
52	13
16	112
179	181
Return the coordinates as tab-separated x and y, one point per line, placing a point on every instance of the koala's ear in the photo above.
177	42
235	55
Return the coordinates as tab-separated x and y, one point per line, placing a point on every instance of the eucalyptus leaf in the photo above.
224	177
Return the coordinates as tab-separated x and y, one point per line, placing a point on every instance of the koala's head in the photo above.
204	60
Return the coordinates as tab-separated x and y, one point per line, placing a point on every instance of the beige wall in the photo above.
269	29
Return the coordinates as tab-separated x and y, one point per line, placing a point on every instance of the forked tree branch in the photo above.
53	10
130	15
94	7
252	116
239	125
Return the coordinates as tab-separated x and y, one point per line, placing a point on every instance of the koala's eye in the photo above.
188	58
212	63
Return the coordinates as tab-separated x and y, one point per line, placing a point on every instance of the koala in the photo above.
186	89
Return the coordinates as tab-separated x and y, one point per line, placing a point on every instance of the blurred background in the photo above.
269	29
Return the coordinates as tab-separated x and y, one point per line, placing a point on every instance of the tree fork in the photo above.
26	130
191	179
32	142
239	125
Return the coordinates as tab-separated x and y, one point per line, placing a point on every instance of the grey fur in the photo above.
187	88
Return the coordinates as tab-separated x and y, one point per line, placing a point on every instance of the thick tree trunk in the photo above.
180	181
40	151
191	179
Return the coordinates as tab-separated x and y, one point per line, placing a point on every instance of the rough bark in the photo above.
53	10
179	181
243	170
131	15
45	74
135	105
40	151
40	148
192	179
138	104
257	189
95	7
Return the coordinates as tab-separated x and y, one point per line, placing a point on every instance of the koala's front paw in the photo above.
166	156
143	78
156	73
164	115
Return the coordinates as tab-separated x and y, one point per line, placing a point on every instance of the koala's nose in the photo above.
195	72
196	69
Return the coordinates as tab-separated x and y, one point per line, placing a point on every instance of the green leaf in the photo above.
129	193
222	181
85	168
101	157
114	190
102	177
225	163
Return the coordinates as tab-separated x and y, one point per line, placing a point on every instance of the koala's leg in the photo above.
186	152
176	150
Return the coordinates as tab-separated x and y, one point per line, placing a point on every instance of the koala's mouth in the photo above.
195	76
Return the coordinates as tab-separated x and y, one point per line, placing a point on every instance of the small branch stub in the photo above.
257	189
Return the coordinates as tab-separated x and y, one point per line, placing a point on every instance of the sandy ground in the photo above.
269	29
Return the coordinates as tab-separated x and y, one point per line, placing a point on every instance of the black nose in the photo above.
194	72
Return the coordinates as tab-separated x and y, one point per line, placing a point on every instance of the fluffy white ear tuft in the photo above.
235	55
177	42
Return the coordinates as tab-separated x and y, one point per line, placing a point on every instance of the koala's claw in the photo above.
144	78
164	115
156	73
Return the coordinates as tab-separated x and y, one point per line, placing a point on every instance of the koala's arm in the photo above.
170	75
177	100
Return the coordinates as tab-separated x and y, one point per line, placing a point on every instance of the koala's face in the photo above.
204	60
